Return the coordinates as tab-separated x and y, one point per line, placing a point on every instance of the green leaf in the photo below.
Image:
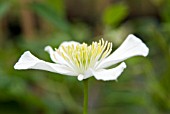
114	14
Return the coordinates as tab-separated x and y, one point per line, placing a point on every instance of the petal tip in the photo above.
123	65
109	74
68	43
25	60
47	48
19	66
80	77
26	52
15	66
147	51
141	43
131	35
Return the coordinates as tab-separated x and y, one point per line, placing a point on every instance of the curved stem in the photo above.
85	106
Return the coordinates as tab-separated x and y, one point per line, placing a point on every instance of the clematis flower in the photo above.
84	61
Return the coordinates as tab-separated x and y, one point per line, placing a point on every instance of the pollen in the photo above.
83	56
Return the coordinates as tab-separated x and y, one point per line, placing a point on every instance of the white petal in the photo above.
110	74
70	61
68	43
57	58
86	75
52	53
80	77
29	61
132	46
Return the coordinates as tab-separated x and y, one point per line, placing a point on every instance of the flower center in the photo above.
82	56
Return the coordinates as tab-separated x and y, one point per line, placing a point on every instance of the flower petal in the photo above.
52	53
55	57
68	43
132	46
86	75
61	50
80	77
29	61
110	74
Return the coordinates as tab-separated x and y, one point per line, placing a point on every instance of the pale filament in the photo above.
83	56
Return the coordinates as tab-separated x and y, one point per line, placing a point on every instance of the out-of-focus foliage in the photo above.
51	15
4	6
165	13
142	89
115	14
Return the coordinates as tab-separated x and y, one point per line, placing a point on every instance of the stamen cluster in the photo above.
82	56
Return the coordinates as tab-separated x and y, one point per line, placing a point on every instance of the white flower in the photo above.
75	59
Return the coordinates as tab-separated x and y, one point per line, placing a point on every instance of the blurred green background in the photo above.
144	87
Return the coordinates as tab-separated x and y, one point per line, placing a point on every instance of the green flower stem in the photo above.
85	107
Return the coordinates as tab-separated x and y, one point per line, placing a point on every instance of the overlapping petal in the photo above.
53	54
56	57
110	74
68	43
132	46
86	75
29	61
